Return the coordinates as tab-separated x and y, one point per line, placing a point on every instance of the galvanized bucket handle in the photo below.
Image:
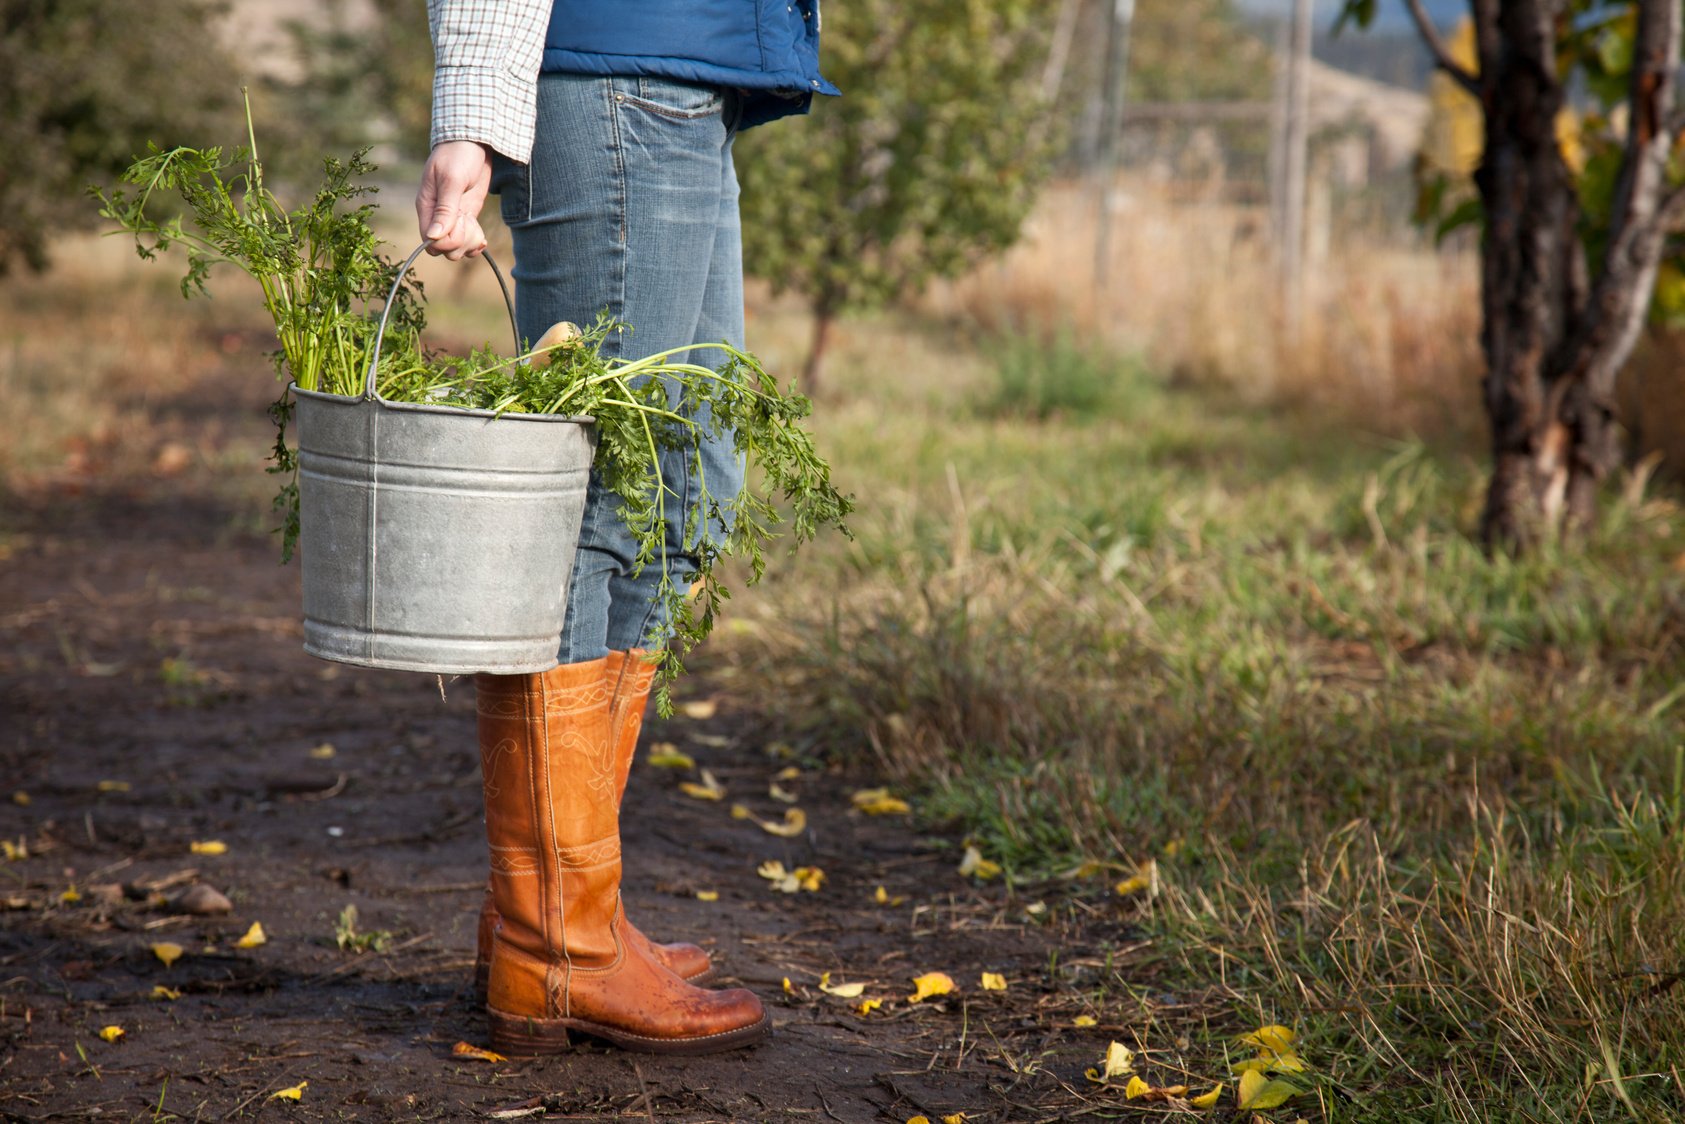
369	391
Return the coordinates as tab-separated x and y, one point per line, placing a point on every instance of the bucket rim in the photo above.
432	408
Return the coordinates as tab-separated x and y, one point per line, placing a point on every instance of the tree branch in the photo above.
1436	45
1672	211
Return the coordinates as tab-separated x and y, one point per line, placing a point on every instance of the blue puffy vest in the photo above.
767	48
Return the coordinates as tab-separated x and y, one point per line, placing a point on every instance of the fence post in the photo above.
1111	126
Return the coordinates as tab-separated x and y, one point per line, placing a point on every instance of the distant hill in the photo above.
1388	52
1392	15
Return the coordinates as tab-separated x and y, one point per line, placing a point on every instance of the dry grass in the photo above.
1390	335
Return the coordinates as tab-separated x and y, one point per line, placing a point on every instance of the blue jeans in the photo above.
630	206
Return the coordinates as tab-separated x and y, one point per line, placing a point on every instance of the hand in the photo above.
454	186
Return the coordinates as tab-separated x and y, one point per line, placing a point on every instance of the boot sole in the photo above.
518	1036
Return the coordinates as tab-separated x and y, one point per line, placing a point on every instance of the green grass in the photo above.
1422	806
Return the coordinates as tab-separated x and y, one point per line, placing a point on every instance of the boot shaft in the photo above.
631	675
552	824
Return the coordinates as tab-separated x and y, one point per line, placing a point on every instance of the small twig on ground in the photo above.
643	1089
443	888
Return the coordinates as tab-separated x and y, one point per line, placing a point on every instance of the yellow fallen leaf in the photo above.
918	1120
295	1093
1207	1100
323	751
14	851
955	1118
1173	848
789	881
1259	1092
841	991
795	822
167	951
464	1050
1287	1062
1085	1020
666	755
1270	1039
975	864
1144	878
881	896
878	802
1273	1037
782	795
1120	1059
709	789
788	773
254	937
929	984
740	812
789	988
993	981
867	1006
113	786
700	709
208	847
111	1033
707	895
20	798
1036	909
1088	868
159	991
1138	1089
71	896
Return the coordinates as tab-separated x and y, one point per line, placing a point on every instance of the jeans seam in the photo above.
609	101
643	101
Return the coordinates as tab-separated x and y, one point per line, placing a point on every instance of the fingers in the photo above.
454	186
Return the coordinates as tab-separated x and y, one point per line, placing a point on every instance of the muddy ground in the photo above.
153	694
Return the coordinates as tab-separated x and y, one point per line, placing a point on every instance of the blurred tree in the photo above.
1578	240
1195	50
87	83
927	163
364	76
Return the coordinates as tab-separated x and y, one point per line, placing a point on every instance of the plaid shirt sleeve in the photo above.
485	80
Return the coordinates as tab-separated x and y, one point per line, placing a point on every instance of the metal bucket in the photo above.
437	539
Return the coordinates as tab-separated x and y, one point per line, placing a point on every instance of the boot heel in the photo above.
516	1036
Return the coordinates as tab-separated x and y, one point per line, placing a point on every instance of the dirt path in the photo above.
153	694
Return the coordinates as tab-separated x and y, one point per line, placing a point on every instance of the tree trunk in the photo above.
1529	255
813	370
1556	330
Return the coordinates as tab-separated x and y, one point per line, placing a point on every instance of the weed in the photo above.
1038	377
347	937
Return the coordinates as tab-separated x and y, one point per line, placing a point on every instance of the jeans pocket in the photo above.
671	97
512	184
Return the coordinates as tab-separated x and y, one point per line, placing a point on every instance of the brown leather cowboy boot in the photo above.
560	959
629	676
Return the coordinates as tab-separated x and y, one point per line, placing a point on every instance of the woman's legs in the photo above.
621	211
630	207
